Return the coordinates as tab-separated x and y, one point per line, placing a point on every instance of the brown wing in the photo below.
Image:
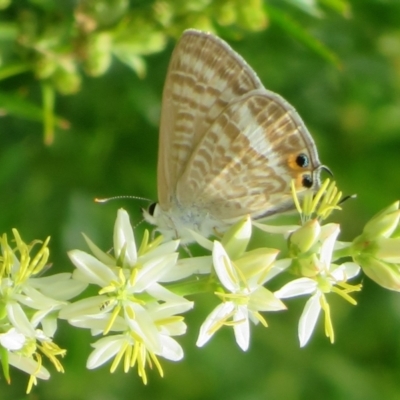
204	76
246	160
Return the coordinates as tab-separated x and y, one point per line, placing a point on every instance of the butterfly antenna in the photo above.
345	198
121	197
139	223
325	168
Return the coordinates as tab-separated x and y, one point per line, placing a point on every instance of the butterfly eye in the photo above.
151	209
302	161
307	181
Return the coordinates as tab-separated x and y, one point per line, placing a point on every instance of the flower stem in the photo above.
200	285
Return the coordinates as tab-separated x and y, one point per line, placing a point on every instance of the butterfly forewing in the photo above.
203	77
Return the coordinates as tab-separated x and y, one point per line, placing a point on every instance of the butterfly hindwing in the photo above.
244	162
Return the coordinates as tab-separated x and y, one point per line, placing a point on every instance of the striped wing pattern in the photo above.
203	77
228	146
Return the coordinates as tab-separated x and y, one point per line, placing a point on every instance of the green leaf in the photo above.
299	33
13	69
8	31
340	6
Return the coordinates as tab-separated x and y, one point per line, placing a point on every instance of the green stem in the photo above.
200	285
48	112
347	251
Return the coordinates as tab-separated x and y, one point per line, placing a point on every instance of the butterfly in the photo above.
228	147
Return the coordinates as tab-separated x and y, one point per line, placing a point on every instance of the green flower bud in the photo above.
98	54
384	223
305	237
255	261
387	249
237	237
251	15
384	274
308	266
226	13
4	4
67	81
104	12
45	67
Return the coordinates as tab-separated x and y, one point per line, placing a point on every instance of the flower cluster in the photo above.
29	305
311	248
135	313
241	276
377	249
142	291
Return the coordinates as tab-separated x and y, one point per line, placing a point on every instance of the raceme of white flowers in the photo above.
143	290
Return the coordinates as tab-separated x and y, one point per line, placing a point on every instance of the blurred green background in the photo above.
337	62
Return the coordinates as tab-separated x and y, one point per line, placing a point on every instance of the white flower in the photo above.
132	347
30	301
242	278
12	339
131	304
324	277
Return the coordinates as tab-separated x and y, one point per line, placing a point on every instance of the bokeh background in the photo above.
99	67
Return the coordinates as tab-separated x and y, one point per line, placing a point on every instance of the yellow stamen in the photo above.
111	321
118	357
328	321
295	198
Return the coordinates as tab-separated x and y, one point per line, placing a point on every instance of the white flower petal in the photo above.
162	249
171	349
49	325
344	272
237	237
278	267
201	240
19	320
105	258
97	323
242	327
297	287
161	293
143	325
175	328
93	270
40	316
36	300
351	269
124	238
224	268
12	339
59	286
104	349
207	329
186	267
28	365
329	234
89	306
309	318
284	229
153	270
169	308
